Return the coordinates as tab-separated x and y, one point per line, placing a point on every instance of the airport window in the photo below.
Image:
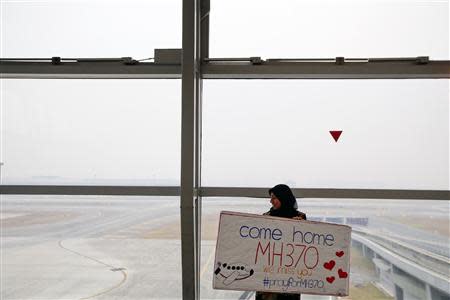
321	29
395	134
94	132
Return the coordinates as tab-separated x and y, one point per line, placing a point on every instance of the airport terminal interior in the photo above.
127	128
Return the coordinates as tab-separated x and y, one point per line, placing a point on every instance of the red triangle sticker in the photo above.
335	134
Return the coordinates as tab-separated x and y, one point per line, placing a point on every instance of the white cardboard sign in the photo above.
263	253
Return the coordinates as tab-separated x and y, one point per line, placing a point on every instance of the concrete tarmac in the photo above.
85	247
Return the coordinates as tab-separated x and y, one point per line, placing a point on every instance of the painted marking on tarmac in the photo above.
112	268
124	278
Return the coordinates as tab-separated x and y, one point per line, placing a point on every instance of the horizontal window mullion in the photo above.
230	70
252	192
387	194
88	70
90	190
328	70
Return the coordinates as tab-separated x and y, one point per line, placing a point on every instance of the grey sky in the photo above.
256	133
395	134
319	28
330	28
89	28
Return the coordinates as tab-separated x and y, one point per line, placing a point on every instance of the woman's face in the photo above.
276	204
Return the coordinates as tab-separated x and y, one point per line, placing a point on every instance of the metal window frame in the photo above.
205	192
366	69
195	23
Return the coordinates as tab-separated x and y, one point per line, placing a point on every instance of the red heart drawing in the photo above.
329	265
342	274
330	279
340	253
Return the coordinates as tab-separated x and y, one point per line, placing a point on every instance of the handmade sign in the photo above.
262	253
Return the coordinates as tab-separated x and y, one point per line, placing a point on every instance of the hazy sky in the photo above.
256	133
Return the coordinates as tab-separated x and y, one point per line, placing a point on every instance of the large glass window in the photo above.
256	133
104	132
326	28
95	28
80	247
395	134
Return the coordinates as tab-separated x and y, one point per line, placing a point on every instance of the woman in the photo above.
284	205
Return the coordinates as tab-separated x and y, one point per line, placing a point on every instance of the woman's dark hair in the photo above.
288	207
